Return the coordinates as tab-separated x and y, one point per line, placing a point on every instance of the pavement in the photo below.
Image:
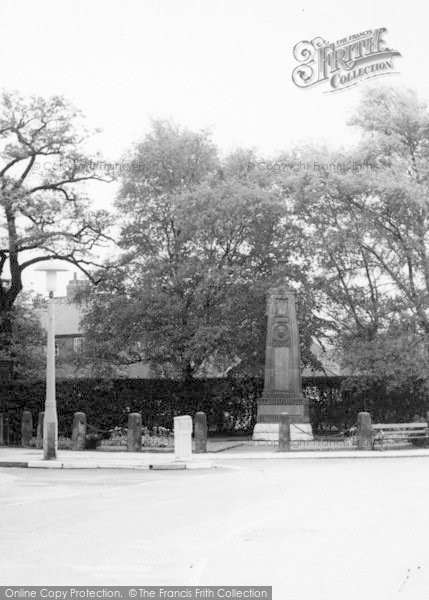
312	529
94	459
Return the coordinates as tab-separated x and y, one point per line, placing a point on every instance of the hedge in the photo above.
230	403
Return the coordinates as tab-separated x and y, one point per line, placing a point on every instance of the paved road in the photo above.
313	529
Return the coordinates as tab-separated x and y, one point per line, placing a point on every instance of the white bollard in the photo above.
183	437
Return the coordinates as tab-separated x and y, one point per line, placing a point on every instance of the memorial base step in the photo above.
269	432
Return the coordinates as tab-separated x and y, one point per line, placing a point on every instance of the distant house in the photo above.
68	333
69	336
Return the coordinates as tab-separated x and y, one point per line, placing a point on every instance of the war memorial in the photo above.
282	391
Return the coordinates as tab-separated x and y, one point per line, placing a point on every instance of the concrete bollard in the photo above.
364	431
200	432
26	428
284	432
39	430
183	437
134	437
79	431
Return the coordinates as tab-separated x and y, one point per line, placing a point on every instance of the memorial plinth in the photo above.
282	383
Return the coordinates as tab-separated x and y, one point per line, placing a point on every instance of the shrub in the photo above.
64	443
93	440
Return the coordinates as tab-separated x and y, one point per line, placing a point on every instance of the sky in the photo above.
222	65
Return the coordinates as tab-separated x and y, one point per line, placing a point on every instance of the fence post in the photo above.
79	431
39	430
26	428
1	429
183	437
134	436
364	431
200	428
284	432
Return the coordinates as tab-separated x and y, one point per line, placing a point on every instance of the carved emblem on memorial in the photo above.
281	335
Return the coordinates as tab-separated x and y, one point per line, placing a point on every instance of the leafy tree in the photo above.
368	231
27	341
44	210
203	238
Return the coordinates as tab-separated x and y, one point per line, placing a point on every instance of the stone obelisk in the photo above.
282	383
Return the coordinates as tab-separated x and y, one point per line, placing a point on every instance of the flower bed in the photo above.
64	443
155	437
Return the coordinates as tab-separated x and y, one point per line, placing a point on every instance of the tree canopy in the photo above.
203	238
368	229
44	208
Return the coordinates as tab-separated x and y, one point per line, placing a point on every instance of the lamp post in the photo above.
50	421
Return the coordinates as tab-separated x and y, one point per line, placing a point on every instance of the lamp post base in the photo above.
50	442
